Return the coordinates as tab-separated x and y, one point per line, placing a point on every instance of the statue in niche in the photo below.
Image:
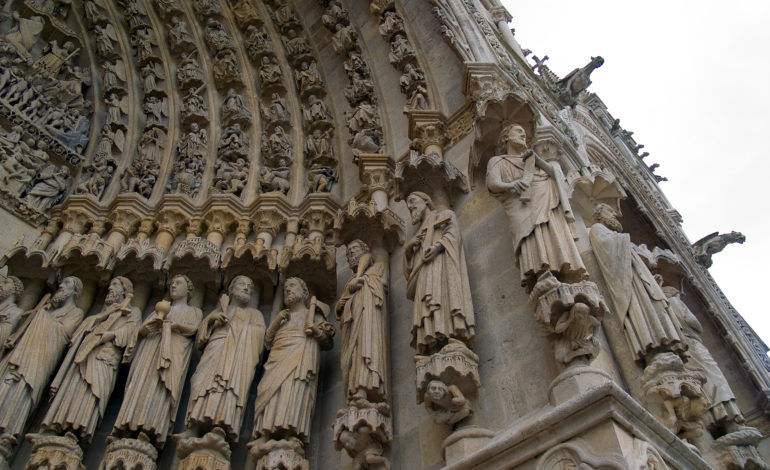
230	176
361	311
724	410
446	403
344	38
257	42
193	144
363	116
193	104
308	77
157	373
179	36
437	278
207	8
296	45
244	13
105	39
48	187
137	17
155	109
285	17
93	13
277	145
391	23
140	177
11	290
535	202
269	72
151	73
335	13
234	108
114	76
276	111
35	350
321	178
275	179
226	67
97	175
186	176
234	143
648	322
400	50
411	78
143	43
116	108
318	148
87	376
233	336
287	392
216	37
189	70
152	143
316	111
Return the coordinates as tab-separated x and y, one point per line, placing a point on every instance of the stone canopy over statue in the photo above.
538	211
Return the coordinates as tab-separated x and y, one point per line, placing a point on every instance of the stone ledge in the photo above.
550	426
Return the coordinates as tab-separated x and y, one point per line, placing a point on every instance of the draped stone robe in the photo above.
10	314
439	287
157	373
649	324
25	371
542	239
87	376
287	392
362	315
221	382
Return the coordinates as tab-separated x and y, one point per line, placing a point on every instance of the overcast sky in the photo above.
690	79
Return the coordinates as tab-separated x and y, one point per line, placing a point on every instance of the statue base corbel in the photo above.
284	454
211	451
7	443
364	430
446	379
572	313
51	451
737	450
465	441
130	454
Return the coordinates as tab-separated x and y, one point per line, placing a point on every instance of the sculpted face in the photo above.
65	291
515	135
355	251
293	292
178	288
6	288
436	390
416	206
115	292
241	289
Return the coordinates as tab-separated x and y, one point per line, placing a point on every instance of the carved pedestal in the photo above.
130	454
59	452
737	450
211	451
572	313
285	454
446	379
364	431
7	442
674	395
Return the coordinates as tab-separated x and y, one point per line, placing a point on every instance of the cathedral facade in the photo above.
317	234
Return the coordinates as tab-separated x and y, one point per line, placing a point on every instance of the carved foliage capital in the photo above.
170	221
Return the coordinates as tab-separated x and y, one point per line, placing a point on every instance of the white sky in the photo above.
691	80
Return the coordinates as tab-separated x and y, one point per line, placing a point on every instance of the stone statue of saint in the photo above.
437	278
11	289
87	376
287	392
724	410
649	324
233	335
361	312
159	367
37	348
535	201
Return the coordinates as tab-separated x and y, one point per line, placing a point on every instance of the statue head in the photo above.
436	391
356	249
295	291
118	289
513	135
605	214
69	287
180	287
418	204
240	289
11	286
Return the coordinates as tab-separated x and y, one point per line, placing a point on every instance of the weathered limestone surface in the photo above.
231	148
